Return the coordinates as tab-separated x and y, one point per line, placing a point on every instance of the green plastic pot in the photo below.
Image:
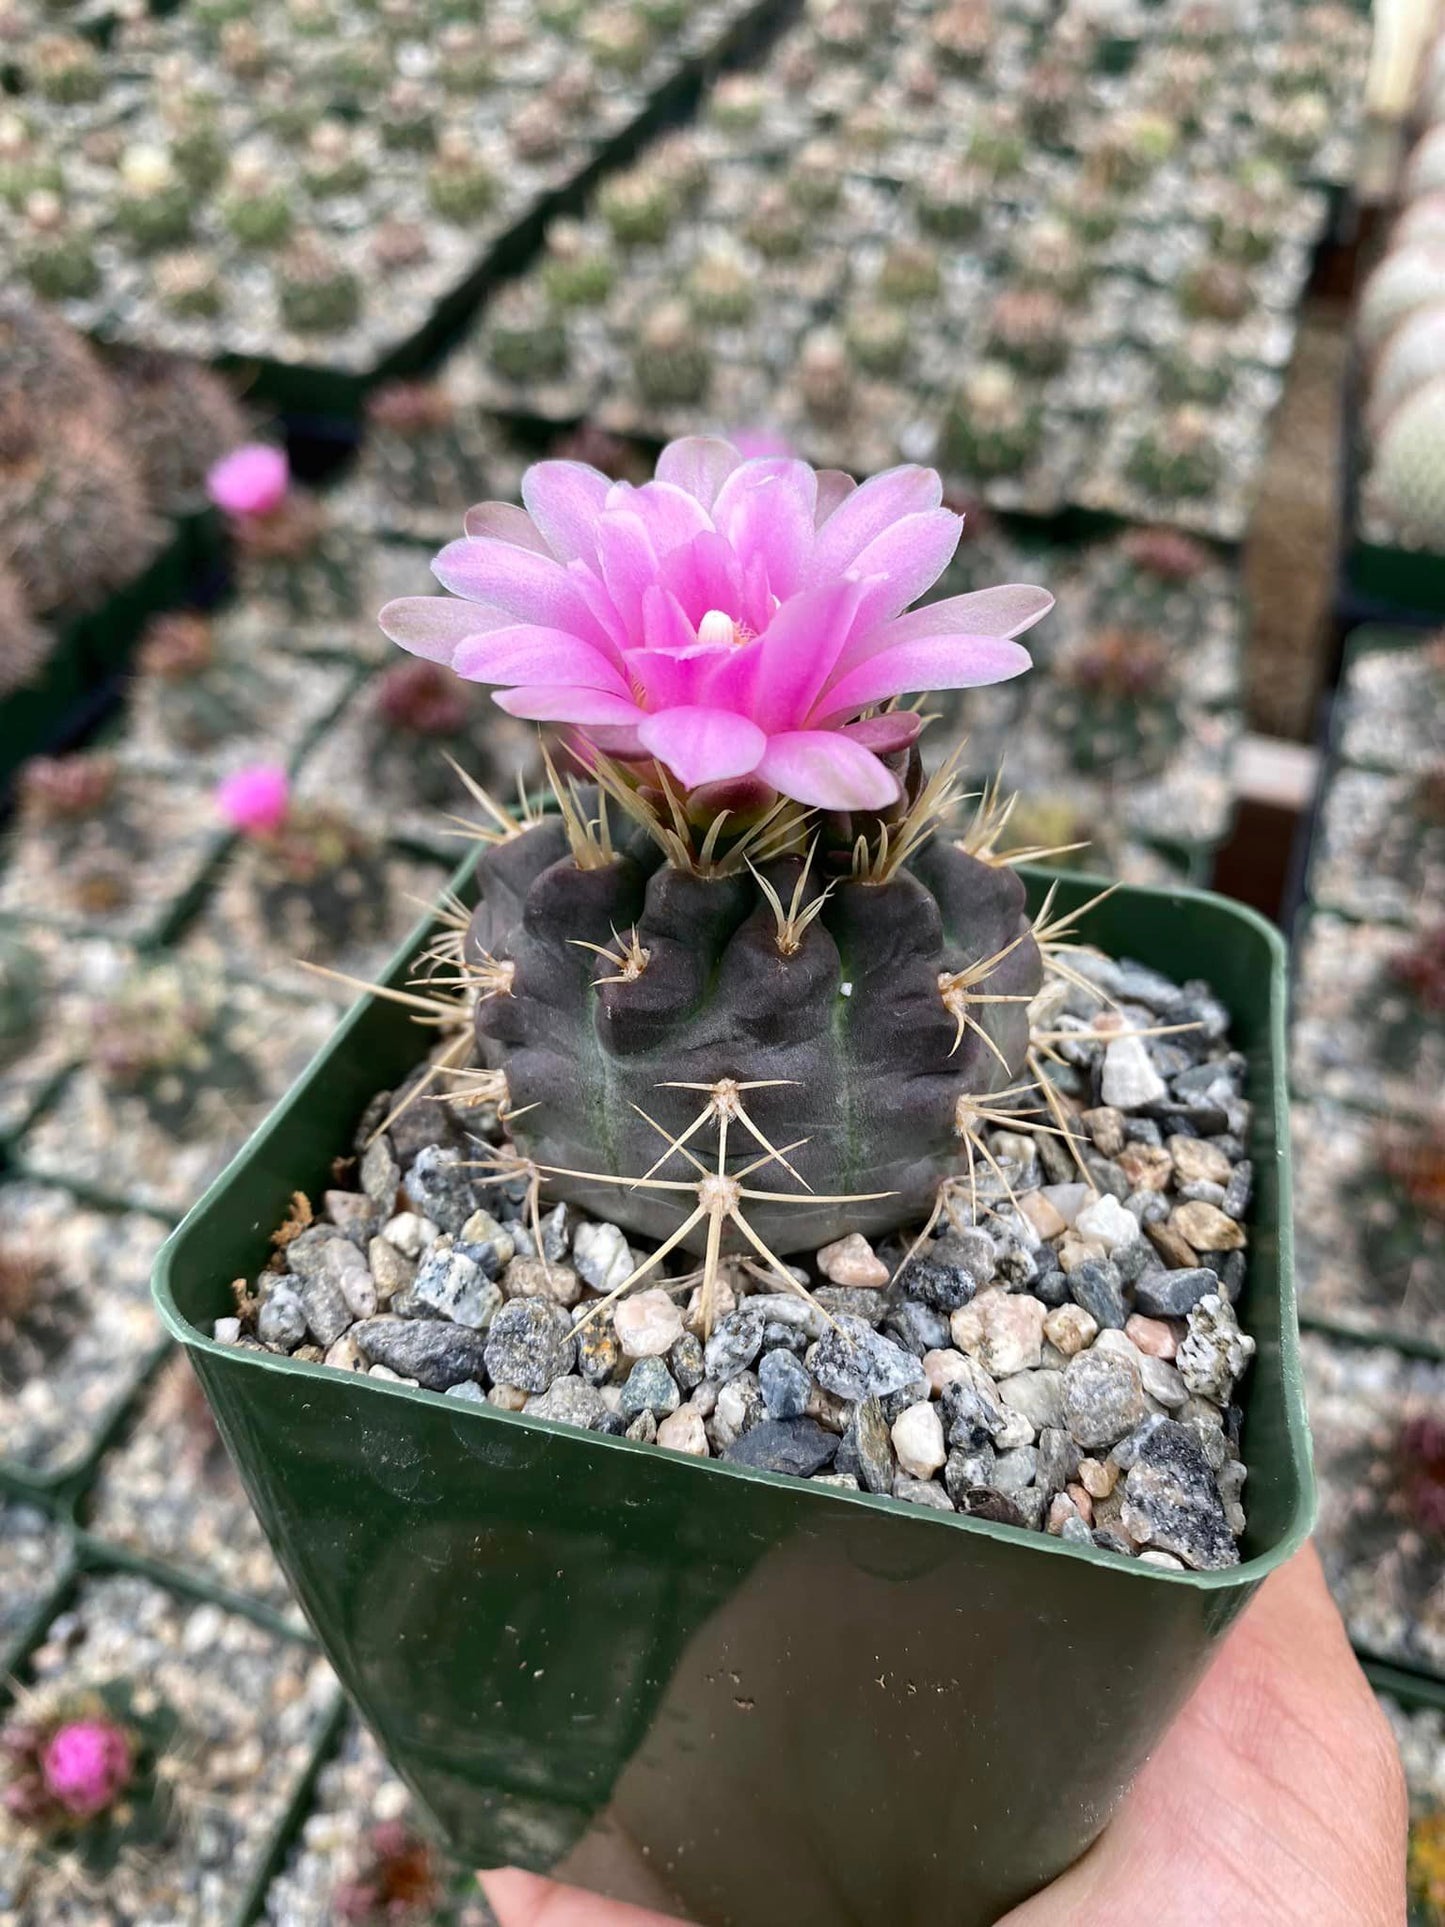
752	1702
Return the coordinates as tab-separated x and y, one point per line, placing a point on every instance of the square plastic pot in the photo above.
749	1701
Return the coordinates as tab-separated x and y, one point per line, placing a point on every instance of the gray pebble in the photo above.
1103	1397
972	1410
797	1445
841	1481
282	1318
650	1387
785	1385
352	1212
1014	1470
1039	1395
1059	1459
685	1360
1171	1501
570	1401
597	1351
441	1185
643	1428
1162	1382
435	1353
867	1449
468	1391
391	1272
852	1301
556	1234
1075	1533
1238	1191
1097	1287
856	1362
939	1276
916	1327
453	1285
380	1175
968	1472
327	1312
1215	1352
739	1408
601	1256
922	1492
529	1344
735	1343
1173	1294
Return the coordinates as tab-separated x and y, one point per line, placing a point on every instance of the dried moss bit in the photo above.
398	1880
299	1217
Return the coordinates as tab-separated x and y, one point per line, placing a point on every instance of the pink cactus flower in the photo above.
250	481
86	1766
731	618
753	443
255	800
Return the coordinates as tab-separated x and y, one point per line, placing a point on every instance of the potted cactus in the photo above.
759	1313
290	550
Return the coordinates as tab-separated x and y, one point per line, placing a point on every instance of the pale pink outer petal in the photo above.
903	562
565	499
506	523
703	575
629	567
698	463
664	622
528	656
434	626
885	735
940	662
558	704
703	745
1006	609
827	770
835	485
765	509
530	587
670	515
864	515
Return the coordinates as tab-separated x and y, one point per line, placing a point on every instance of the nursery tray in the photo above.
746	1700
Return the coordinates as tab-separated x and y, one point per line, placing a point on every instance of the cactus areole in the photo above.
746	963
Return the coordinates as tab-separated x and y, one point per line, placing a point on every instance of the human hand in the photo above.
1276	1799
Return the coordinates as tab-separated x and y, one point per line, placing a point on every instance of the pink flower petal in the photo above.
777	678
703	745
828	771
613	740
530	587
253	480
942	662
886	735
565	501
1006	610
670	515
765	509
629	566
559	704
903	561
867	512
529	657
698	463
434	626
506	523
704	574
835	485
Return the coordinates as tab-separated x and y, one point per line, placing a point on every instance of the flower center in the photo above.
718	630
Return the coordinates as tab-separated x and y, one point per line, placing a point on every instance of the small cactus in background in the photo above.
179	421
256	206
318	293
1114	701
1177	457
1244	226
526	341
289	548
419	716
1091	208
154	206
614	456
1294	127
25	647
57	253
1129	149
199	696
426	452
998	142
963	35
1048	254
465	58
950	199
396	1885
1197	368
334	162
407	119
22	994
815	179
74	510
538	129
737	102
1216	290
65	69
1050	91
459	184
639	206
777	227
617	37
25	167
198	147
1422	1469
189	283
60	791
163	1040
1412	355
1408	278
910	273
1406	483
878	338
825	376
1030	328
992	426
576	271
722	285
671	364
317	882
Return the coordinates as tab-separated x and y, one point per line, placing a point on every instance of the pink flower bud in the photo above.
86	1766
255	800
250	481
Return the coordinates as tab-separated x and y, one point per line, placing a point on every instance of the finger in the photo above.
527	1900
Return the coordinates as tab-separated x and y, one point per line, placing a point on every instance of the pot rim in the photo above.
1229	1579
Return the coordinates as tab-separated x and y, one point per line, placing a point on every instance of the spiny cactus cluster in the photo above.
163	1039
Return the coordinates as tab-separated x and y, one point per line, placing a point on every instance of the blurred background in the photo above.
1158	285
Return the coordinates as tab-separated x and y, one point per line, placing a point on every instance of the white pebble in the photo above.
226	1331
648	1324
853	1261
1130	1079
684	1431
409	1233
1108	1221
918	1440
